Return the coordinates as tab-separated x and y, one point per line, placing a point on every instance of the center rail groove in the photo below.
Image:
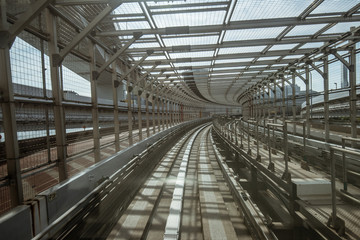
187	197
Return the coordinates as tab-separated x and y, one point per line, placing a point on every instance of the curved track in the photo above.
185	197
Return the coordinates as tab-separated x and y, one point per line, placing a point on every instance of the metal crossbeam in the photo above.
119	52
235	25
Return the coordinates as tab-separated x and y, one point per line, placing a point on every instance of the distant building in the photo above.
344	77
288	91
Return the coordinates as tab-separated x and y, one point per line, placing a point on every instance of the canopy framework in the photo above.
203	36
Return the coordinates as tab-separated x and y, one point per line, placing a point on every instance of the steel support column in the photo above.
139	115
352	78
130	120
275	103
8	112
115	85
147	115
94	103
263	109
59	115
158	111
153	111
167	113
293	102
283	106
268	100
163	113
307	97
326	99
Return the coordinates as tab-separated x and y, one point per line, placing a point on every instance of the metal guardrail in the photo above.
71	195
250	211
335	221
343	140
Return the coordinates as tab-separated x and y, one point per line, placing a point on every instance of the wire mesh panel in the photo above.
106	125
28	68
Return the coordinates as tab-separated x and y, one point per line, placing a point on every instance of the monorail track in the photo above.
186	196
183	198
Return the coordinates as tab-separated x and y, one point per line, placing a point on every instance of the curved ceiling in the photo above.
227	45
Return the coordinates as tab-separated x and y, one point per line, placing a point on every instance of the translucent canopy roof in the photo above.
226	45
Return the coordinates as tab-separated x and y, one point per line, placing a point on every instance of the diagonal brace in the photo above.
119	52
346	63
148	53
33	11
318	70
80	36
153	80
299	76
157	63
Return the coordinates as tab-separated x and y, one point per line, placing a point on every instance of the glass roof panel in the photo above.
268	58
144	45
257	33
283	47
165	3
169	42
241	50
233	60
132	25
127	8
335	6
293	56
230	68
160	57
342	27
305	30
175	9
192	54
189	19
312	45
224	74
260	9
204	63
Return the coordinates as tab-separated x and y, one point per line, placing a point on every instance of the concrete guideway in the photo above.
184	202
310	196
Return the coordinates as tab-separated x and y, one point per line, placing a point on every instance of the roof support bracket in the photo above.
34	10
145	74
341	59
118	53
301	77
318	70
80	36
134	67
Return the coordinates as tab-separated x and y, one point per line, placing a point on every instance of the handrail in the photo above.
334	219
343	140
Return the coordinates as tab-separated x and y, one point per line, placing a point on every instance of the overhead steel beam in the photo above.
34	10
80	36
236	56
235	25
86	2
135	66
310	8
147	72
235	44
234	64
187	5
189	11
118	53
60	14
150	83
234	70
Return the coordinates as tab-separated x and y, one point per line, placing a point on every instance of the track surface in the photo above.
185	196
